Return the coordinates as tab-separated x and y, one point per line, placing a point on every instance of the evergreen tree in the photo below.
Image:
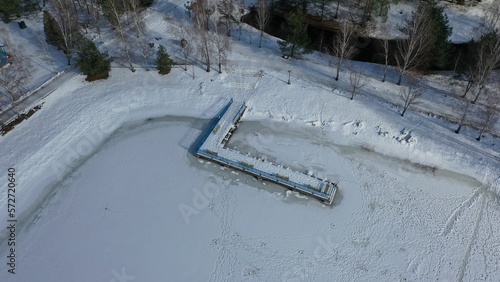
52	32
94	64
146	3
16	7
28	6
296	38
442	47
8	8
382	8
163	61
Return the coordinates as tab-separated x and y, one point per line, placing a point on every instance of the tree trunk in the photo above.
480	134
321	40
338	69
468	87
400	78
478	93
404	111
322	10
458	129
337	10
260	40
385	73
69	60
220	63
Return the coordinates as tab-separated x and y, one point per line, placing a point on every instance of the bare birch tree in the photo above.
263	18
187	42
204	46
66	19
92	9
133	7
410	94
14	79
488	60
385	45
337	8
137	19
240	6
357	79
221	44
202	23
412	51
115	17
488	52
202	12
464	110
227	10
343	44
489	115
492	16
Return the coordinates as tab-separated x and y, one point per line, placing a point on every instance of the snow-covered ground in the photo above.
104	193
45	62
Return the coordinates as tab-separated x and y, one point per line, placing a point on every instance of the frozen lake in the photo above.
142	207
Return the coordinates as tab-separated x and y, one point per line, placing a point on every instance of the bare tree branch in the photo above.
263	18
410	94
14	79
115	12
343	44
489	115
385	45
66	18
222	45
357	79
412	51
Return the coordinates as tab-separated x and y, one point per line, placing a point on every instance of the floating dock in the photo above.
212	147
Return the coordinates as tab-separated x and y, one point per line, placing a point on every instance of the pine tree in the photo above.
28	6
8	8
442	47
94	64
16	7
51	30
296	38
146	3
163	61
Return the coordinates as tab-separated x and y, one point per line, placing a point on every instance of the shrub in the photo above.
163	61
94	64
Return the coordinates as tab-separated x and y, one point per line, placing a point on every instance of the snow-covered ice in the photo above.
106	191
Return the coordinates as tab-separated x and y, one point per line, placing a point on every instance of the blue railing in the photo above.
214	124
239	112
266	175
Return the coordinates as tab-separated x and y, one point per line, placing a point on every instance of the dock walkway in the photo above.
212	147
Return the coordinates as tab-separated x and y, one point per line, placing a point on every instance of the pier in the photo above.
212	147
